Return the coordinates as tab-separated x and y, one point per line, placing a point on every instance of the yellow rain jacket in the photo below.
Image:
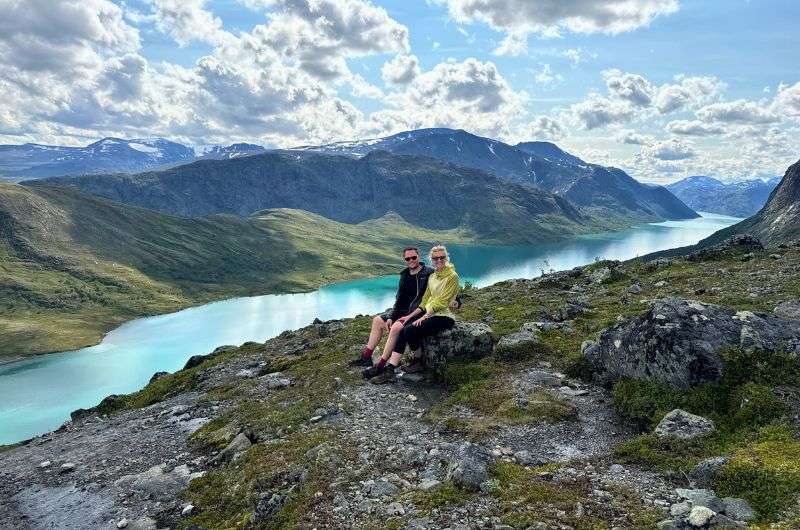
442	289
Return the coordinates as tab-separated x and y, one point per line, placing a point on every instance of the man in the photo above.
413	282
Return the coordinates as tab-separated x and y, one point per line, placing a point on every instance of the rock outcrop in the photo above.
683	425
678	342
467	340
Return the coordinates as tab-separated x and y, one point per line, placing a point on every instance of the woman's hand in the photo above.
420	320
402	320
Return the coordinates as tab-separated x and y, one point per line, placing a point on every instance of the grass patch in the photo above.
448	494
767	474
526	498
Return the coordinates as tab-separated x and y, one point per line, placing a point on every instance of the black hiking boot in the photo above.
372	371
414	367
361	361
386	376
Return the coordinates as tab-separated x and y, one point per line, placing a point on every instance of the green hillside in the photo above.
73	266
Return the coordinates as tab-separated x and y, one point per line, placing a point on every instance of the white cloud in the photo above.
739	111
634	138
518	18
187	21
470	94
596	111
546	76
669	150
687	92
577	56
544	128
629	87
694	128
787	101
401	70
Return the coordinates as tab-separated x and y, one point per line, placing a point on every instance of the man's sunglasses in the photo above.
438	258
411	258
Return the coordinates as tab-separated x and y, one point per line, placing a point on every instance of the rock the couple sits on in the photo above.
423	308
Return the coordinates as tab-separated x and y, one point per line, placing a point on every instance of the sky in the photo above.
661	88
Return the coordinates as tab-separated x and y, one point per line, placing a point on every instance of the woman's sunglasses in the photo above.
411	258
438	258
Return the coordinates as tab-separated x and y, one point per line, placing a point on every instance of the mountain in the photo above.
777	222
108	154
218	152
425	192
737	199
73	266
610	192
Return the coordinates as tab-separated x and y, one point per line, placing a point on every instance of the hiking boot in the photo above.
415	367
386	376
361	361
372	371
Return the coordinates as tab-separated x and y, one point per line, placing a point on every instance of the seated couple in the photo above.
422	308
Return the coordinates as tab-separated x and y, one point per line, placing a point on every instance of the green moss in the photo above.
526	498
227	497
447	495
767	474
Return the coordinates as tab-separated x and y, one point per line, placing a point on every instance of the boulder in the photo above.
789	309
699	516
517	345
469	467
677	341
704	473
684	425
157	482
465	340
738	509
234	449
738	245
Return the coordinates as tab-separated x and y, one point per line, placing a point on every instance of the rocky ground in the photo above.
284	435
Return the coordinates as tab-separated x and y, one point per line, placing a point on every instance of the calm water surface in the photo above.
37	395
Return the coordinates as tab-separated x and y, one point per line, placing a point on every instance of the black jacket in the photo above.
410	291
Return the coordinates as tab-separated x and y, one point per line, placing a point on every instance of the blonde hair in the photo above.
438	248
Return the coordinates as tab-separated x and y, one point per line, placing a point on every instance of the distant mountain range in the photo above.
778	221
737	199
29	161
423	191
605	191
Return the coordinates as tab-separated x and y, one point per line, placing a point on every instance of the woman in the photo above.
432	316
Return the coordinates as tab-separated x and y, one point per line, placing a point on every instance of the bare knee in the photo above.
377	321
397	327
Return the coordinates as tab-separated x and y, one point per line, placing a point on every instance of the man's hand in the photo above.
402	320
388	324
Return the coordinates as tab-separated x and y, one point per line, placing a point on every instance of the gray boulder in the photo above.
158	483
676	341
684	425
704	473
789	309
738	509
465	340
469	467
517	345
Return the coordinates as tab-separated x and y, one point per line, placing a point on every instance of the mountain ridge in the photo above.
540	164
737	199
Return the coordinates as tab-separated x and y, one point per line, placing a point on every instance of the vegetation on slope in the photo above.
754	427
74	266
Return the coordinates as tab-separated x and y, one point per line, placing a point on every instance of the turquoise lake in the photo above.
37	395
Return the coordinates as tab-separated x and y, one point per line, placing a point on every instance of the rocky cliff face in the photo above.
778	221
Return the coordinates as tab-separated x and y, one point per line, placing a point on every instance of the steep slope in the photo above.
423	191
108	154
737	199
778	221
541	164
72	266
